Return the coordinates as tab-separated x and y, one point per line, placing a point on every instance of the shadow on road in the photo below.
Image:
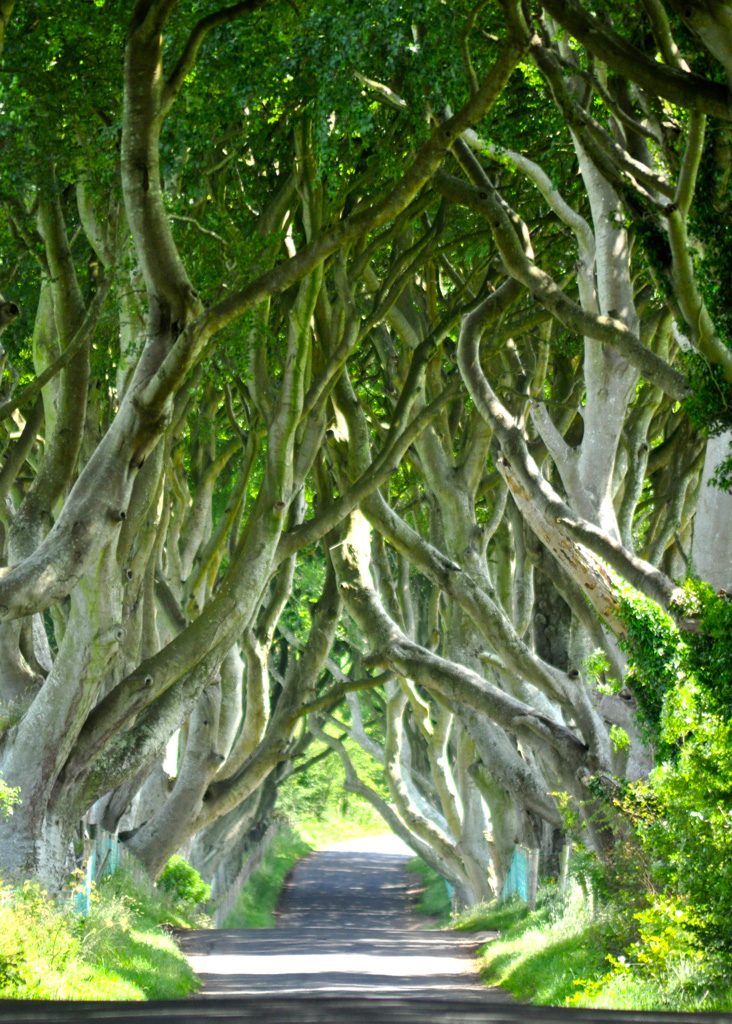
347	952
345	925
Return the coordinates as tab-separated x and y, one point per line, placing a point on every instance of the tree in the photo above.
371	366
88	545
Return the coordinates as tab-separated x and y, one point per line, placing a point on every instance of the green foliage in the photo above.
655	653
256	903
117	951
622	874
665	934
493	916
709	407
619	737
313	797
145	900
685	825
596	664
541	955
596	668
665	662
680	891
307	587
182	883
433	898
687	987
709	223
665	968
709	651
9	798
560	953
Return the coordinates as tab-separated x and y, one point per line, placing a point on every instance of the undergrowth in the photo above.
562	954
117	951
433	898
256	903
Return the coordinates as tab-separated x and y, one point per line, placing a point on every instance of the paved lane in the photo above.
348	951
345	926
324	1009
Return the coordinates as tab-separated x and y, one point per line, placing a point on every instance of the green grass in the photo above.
257	901
433	897
685	988
117	951
561	955
539	956
491	916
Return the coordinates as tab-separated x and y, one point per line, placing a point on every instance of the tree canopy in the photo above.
365	368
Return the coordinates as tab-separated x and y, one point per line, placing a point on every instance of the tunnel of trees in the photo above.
367	382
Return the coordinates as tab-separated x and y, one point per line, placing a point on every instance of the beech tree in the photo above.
358	368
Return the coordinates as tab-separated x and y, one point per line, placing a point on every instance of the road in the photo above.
345	926
348	950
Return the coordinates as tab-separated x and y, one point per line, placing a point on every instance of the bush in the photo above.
183	884
682	814
432	892
540	955
117	951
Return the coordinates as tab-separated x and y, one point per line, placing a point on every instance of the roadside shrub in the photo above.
682	815
116	951
431	892
183	883
38	940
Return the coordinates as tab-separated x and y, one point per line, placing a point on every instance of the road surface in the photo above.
348	950
345	926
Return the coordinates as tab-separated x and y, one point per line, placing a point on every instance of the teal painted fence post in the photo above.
82	897
104	859
517	879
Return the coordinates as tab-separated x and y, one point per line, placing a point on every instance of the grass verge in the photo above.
118	951
561	955
539	956
433	899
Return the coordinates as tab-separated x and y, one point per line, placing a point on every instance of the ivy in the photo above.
709	406
709	651
708	222
682	815
655	667
664	660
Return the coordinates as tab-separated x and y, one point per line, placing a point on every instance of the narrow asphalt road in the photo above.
348	950
345	926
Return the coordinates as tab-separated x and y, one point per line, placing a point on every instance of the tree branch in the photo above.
75	344
194	42
606	329
681	87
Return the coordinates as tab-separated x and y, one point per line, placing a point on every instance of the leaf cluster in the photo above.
183	883
683	814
